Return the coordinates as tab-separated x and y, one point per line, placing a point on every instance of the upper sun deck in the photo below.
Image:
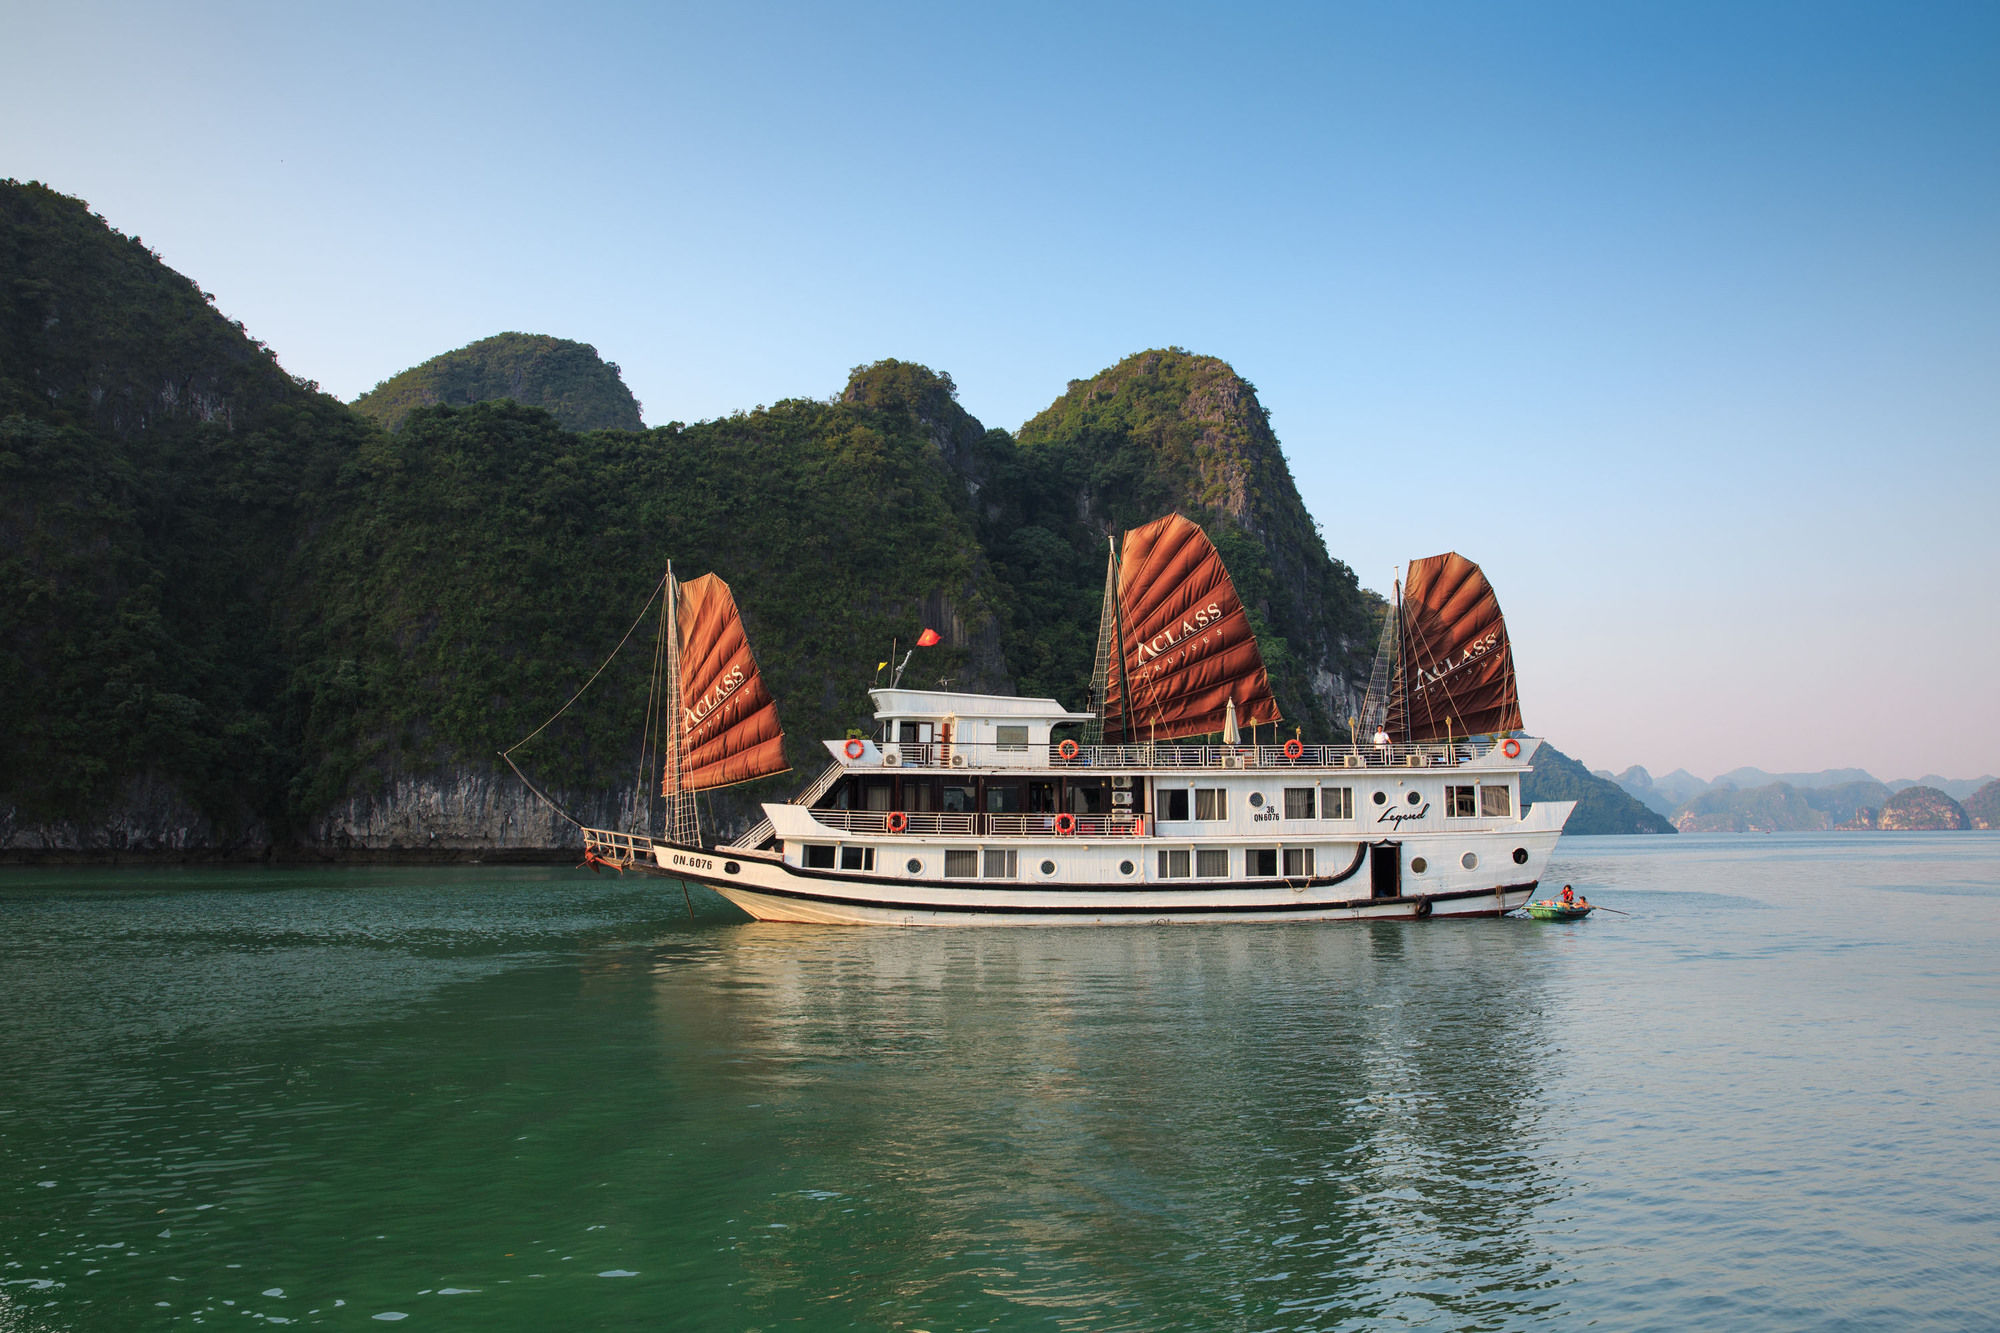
937	729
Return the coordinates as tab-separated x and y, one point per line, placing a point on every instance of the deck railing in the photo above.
931	823
985	755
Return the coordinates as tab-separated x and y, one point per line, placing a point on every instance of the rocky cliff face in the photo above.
149	815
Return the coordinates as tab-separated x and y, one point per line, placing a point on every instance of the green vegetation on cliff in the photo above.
1161	431
487	560
155	467
569	379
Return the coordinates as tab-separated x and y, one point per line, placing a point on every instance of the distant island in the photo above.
1749	800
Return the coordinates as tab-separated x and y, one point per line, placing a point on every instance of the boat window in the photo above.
1495	801
1211	863
1414	797
1299	802
1298	862
1520	856
1470	860
1048	867
1211	803
919	794
1010	738
1173	863
1381	798
914	866
1458	802
1260	861
1003	798
876	794
1042	798
1087	798
1173	802
1002	864
857	858
910	733
1256	800
961	864
1418	865
1336	803
817	856
1126	867
958	801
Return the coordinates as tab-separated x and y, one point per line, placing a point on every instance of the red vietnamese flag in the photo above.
929	637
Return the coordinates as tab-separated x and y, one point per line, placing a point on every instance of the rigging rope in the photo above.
508	753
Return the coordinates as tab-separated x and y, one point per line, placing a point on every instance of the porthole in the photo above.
731	868
1415	797
1520	856
1469	860
1125	867
1048	867
916	867
1256	800
1381	798
1418	865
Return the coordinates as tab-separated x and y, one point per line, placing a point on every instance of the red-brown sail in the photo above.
1184	641
1456	676
729	721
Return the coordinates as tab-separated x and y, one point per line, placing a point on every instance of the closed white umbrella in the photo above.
1230	736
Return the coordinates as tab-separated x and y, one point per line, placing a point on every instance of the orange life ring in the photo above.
854	749
1068	749
897	821
1293	749
1512	749
1065	822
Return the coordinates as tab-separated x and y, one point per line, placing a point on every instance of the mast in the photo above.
1110	657
1382	680
683	822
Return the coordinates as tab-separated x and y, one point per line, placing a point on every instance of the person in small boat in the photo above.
1569	896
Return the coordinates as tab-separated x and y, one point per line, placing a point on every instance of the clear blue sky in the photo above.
1684	319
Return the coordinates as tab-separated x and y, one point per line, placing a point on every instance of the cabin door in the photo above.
1385	869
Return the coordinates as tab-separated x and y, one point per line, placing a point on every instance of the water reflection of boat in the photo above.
1154	806
1059	1119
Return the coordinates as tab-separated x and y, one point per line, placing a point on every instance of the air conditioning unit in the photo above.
958	761
1121	816
1121	798
1121	780
892	758
1413	761
1232	761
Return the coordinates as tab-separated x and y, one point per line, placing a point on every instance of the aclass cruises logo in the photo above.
1475	650
706	705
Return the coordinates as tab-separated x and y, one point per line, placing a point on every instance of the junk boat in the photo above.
975	809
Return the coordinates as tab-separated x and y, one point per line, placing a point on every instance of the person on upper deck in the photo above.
1382	736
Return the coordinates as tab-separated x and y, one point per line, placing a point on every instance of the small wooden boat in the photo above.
1549	909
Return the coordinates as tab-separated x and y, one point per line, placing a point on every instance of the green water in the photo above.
502	1099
